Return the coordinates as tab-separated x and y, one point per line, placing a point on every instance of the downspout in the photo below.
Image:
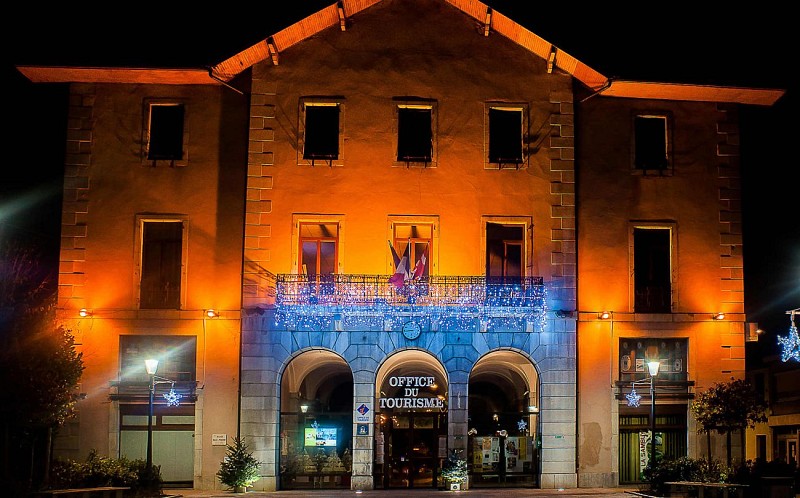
600	90
214	77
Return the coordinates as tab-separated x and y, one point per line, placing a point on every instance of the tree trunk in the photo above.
728	449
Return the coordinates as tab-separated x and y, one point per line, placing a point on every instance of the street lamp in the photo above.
633	400
653	366
172	398
151	365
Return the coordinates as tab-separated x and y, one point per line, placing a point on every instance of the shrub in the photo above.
98	471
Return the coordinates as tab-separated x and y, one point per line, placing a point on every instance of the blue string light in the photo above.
371	302
790	345
173	398
633	397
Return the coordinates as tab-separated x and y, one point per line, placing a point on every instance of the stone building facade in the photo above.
520	196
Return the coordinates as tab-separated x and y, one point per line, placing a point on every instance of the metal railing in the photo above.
437	297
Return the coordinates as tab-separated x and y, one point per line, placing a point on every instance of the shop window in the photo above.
505	136
165	133
321	132
161	263
652	270
651	143
634	353
415	123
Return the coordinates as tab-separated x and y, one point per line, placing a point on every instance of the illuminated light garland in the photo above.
790	345
371	302
633	397
173	398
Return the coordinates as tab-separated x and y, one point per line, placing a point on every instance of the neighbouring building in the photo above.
394	230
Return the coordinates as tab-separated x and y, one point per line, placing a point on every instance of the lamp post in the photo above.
653	367
151	365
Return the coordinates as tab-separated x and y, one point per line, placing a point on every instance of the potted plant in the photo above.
454	471
239	468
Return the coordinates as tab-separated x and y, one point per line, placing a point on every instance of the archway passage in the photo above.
316	422
504	441
411	431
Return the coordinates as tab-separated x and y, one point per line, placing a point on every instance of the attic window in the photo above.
414	133
651	143
505	141
320	127
165	132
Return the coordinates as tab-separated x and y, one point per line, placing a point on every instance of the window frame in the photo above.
149	104
415	104
141	220
526	223
671	227
298	220
667	170
432	264
303	104
523	109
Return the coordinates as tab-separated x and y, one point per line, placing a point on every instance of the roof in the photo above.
337	14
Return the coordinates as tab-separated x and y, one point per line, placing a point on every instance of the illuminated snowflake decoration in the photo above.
633	397
522	425
790	345
173	398
315	425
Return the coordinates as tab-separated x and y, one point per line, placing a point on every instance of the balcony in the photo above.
372	301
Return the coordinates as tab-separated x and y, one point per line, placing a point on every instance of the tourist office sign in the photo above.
407	394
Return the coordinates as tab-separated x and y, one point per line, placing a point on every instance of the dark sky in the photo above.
720	44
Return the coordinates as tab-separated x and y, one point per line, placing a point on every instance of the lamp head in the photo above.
718	316
84	313
210	313
653	366
604	315
151	365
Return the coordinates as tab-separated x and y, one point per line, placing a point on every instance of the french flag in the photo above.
401	271
419	269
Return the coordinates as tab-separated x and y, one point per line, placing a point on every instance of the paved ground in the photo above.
416	493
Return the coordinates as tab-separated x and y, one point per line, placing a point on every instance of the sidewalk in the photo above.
410	493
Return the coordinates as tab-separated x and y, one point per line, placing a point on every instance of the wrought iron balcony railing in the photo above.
372	298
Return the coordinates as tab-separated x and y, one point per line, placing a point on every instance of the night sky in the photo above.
744	47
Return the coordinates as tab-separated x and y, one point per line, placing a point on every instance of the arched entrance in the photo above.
316	422
411	426
504	442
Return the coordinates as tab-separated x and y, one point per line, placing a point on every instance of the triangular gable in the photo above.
271	47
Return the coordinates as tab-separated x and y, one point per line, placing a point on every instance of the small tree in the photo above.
726	407
454	469
239	468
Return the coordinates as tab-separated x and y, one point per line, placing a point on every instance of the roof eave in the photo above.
698	93
45	74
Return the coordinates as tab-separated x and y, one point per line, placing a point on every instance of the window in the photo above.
505	135
161	263
165	132
320	132
652	272
175	354
634	353
651	150
318	248
504	243
420	236
415	124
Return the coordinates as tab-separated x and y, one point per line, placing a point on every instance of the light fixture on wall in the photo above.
604	315
304	408
212	313
84	313
718	316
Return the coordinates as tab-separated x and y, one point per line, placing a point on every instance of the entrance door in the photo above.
413	450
